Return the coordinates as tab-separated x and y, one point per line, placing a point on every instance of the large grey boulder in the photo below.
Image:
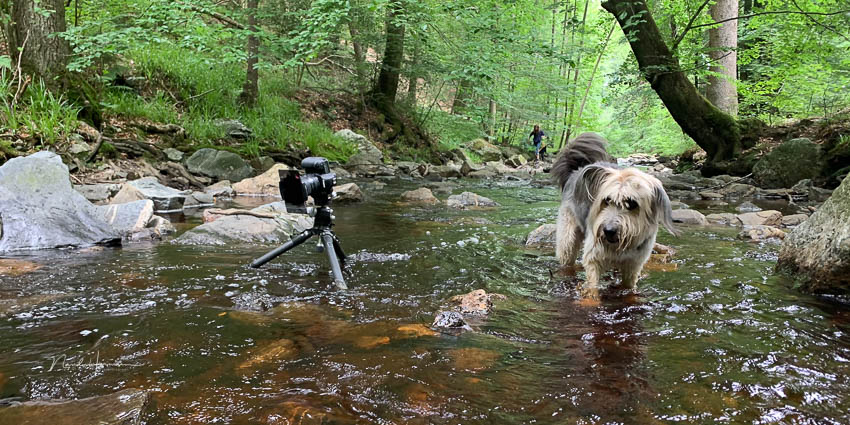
165	199
369	160
265	225
234	129
689	217
39	209
543	236
421	195
129	218
817	252
126	407
348	193
788	163
266	184
100	192
220	165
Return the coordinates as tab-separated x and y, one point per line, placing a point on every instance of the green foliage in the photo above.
452	131
38	112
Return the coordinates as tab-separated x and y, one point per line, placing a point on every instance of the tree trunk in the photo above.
45	55
491	129
360	65
723	44
251	89
387	87
712	129
413	77
462	96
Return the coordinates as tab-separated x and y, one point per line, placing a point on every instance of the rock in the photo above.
805	189
737	190
421	195
15	268
262	164
348	192
450	321
516	161
760	233
248	228
234	129
788	163
173	154
747	207
165	199
498	167
485	150
39	209
793	220
126	407
459	155
467	200
445	171
100	192
689	217
442	187
466	168
266	184
219	165
477	302
341	173
678	205
543	236
222	189
484	173
198	199
406	167
817	252
160	226
369	160
727	219
80	149
472	358
416	330
129	218
275	351
369	342
710	195
764	218
12	306
375	185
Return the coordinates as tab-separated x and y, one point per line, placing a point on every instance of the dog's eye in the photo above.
606	201
631	204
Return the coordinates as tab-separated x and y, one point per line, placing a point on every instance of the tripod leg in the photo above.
298	240
339	253
333	256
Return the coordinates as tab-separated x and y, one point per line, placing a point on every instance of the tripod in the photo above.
322	224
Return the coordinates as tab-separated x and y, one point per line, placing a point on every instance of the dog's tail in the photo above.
585	149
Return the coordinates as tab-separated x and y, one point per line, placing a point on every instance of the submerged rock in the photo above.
122	408
14	268
817	252
761	233
220	165
746	207
468	200
39	209
477	302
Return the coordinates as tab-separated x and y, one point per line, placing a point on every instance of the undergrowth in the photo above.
195	91
37	113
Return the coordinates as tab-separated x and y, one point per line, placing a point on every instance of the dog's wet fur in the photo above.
611	213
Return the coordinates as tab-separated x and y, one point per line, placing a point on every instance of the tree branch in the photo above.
215	15
688	27
775	12
819	23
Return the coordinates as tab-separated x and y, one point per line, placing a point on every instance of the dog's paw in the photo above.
589	296
588	302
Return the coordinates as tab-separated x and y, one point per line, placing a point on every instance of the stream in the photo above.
720	339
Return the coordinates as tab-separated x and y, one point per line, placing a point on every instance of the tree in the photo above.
43	54
387	86
251	90
712	129
723	44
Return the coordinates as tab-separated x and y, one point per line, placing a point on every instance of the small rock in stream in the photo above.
476	302
122	408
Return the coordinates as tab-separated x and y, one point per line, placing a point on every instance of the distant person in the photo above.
537	138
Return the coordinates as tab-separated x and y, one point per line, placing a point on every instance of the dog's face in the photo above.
626	205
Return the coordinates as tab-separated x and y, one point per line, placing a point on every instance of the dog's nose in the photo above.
611	234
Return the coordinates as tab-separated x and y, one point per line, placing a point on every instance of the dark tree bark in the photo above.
714	131
45	55
387	87
251	89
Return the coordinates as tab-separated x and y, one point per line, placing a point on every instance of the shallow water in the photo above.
718	340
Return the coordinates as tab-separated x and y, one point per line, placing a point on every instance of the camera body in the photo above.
318	182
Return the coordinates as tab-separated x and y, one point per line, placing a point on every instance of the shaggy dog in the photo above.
612	212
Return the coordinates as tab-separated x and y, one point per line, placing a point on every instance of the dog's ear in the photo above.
582	188
662	210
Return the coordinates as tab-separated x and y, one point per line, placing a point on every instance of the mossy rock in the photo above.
790	162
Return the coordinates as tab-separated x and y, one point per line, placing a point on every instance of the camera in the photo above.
318	182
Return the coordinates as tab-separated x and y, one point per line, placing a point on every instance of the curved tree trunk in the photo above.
45	55
723	45
713	130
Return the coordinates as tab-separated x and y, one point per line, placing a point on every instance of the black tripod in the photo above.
322	224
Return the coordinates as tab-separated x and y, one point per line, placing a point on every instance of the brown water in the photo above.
718	340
